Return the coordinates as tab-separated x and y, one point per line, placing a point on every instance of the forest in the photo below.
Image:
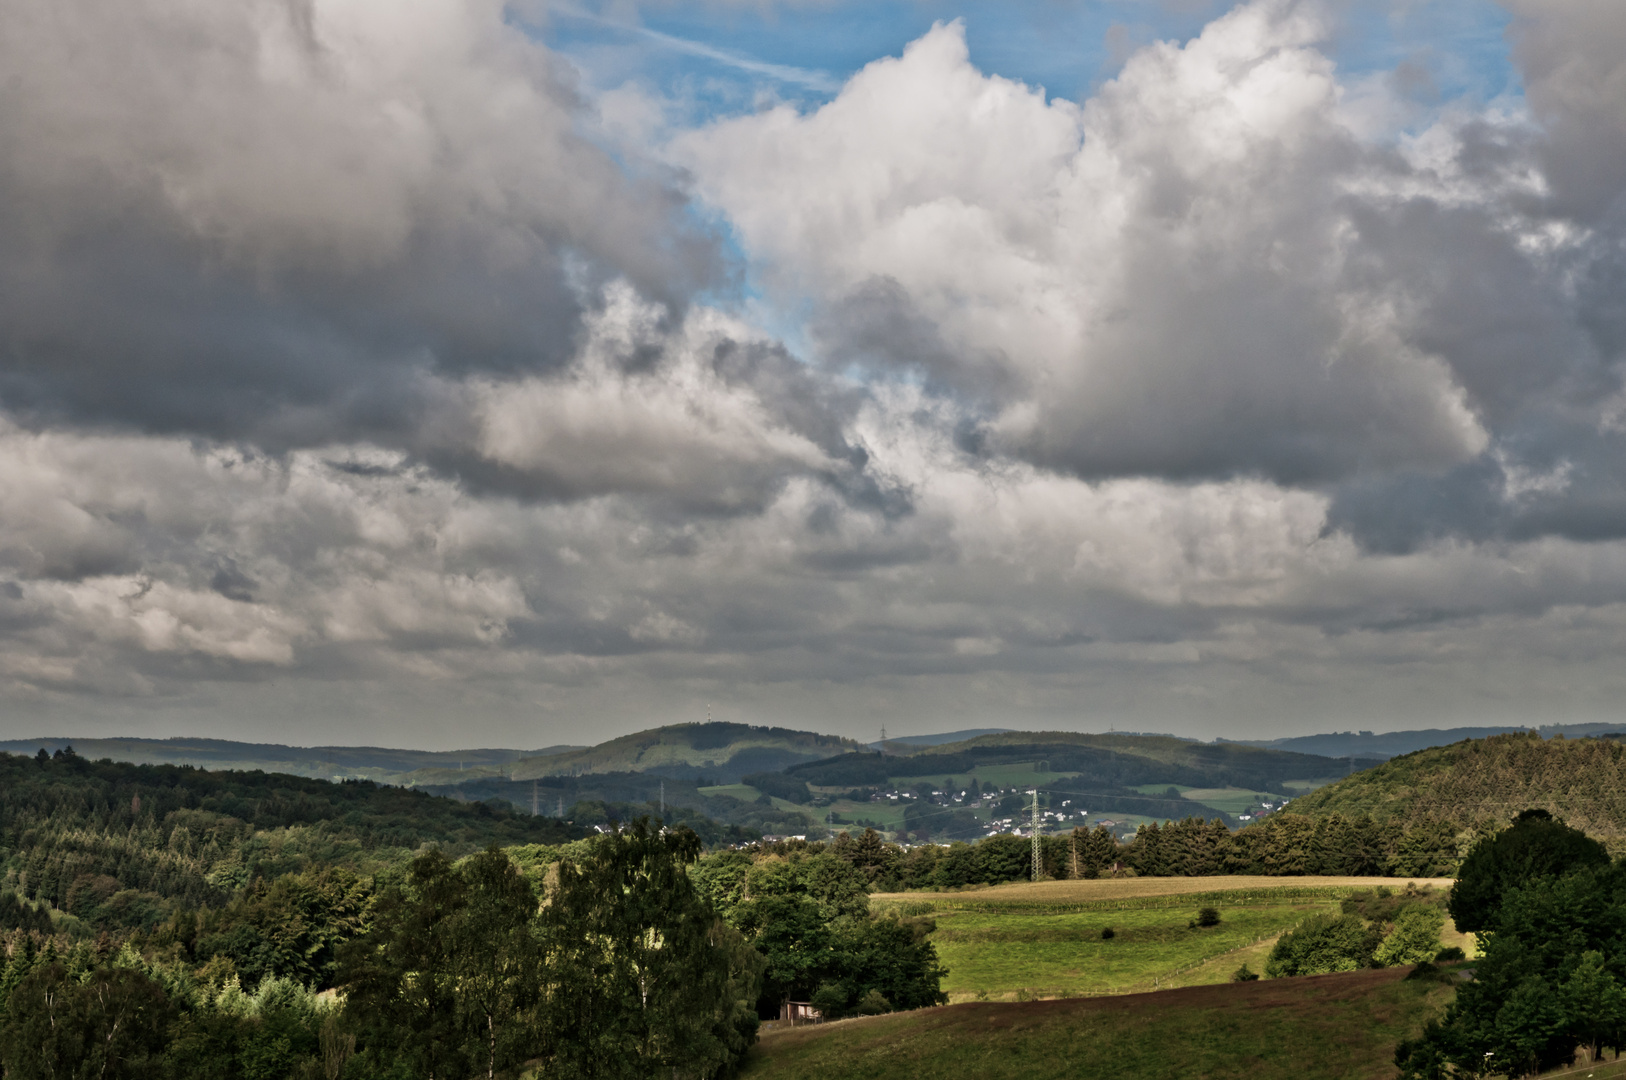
162	921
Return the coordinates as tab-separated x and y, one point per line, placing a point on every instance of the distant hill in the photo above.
1108	772
1582	781
722	753
1388	744
904	744
377	763
1157	758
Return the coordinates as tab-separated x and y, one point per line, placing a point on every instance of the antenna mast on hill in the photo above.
883	733
1038	856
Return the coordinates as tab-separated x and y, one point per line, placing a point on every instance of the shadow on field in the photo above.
1331	1026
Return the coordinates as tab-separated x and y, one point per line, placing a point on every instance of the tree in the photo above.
112	1026
645	977
496	959
888	956
401	978
1549	981
1536	846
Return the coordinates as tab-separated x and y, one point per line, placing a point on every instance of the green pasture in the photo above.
888	814
1001	954
1299	787
1332	1027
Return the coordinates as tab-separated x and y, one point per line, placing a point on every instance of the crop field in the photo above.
1333	1027
1044	939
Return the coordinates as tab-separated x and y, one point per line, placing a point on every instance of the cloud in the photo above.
262	220
1207	269
345	374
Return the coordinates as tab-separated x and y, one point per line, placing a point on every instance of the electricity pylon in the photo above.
1038	856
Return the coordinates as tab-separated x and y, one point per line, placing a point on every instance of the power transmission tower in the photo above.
1038	855
561	808
535	808
663	800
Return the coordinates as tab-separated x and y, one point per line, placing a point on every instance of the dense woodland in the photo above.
1582	781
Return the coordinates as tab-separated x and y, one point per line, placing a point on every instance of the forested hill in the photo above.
1582	781
387	765
1111	760
718	751
165	834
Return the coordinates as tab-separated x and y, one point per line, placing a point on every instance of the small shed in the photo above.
800	1012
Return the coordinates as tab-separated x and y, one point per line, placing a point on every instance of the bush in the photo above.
1415	938
873	1003
1108	933
1323	944
1208	917
831	999
1450	954
1244	974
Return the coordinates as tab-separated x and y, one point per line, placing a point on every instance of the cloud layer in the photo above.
348	379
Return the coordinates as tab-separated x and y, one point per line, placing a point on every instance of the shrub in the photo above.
1208	917
1415	938
1108	933
1322	944
1244	974
1449	954
873	1003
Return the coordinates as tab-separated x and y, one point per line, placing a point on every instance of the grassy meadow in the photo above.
1330	1027
1044	940
1229	799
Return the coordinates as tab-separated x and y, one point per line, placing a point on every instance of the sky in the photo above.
475	373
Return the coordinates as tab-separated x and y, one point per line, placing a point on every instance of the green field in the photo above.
1043	939
999	954
743	792
887	815
1331	1027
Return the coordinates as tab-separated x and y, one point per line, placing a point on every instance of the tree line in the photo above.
1281	845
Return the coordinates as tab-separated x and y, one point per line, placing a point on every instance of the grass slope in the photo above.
1043	939
1582	781
1331	1027
1003	954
